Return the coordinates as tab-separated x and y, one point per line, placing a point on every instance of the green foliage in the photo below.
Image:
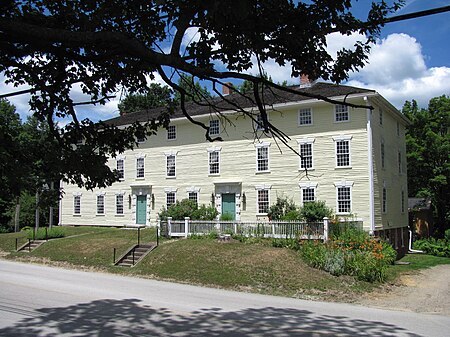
46	233
283	208
315	211
194	91
353	253
432	246
447	235
188	208
226	217
428	146
155	96
289	243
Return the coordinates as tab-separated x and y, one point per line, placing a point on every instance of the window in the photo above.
398	128
341	113
101	204
171	132
308	194
343	153
400	164
384	200
141	139
305	116
193	196
120	168
259	123
306	156
214	127
170	199
214	162
402	201
119	203
77	204
381	117
140	162
344	201
170	165
263	201
262	157
382	155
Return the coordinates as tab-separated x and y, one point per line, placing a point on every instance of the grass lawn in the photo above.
237	266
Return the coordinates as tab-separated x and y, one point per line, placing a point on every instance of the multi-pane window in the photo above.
140	167
381	117
170	199
263	201
100	204
141	139
259	124
214	127
193	196
119	203
399	162
214	162
308	194
306	155
341	113
305	116
384	201
120	168
403	201
171	132
342	153
76	204
170	165
262	158
344	201
382	155
398	128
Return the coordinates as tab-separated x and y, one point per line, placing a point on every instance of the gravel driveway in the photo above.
426	291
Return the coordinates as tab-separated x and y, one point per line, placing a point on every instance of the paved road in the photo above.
45	301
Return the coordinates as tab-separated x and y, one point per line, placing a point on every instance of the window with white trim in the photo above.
263	201
141	139
344	197
398	128
259	123
214	127
170	199
384	200
306	156
214	162
171	166
400	164
77	204
171	132
262	157
193	196
382	155
305	116
381	117
120	167
140	167
119	204
343	153
341	113
100	204
308	194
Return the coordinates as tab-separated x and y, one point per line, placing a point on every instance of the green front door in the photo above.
229	205
141	209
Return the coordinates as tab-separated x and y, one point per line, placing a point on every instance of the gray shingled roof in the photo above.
270	98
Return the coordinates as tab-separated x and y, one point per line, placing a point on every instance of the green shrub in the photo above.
188	208
290	243
282	208
226	217
447	235
315	211
41	234
204	213
437	247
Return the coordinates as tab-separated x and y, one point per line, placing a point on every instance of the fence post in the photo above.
114	255
46	234
169	225
273	229
218	226
16	243
235	228
186	226
139	236
157	233
29	245
325	229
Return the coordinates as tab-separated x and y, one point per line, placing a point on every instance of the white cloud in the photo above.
397	70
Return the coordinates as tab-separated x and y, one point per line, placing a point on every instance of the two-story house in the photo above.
352	158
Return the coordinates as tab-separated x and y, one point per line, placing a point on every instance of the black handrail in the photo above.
114	255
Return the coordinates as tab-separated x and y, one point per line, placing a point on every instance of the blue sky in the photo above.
410	61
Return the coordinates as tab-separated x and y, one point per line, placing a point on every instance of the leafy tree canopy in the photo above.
108	46
155	96
428	152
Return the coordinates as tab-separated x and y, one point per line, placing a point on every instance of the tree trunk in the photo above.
37	212
50	220
16	217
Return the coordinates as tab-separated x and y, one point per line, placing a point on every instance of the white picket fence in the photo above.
271	229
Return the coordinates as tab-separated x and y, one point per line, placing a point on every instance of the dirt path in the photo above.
425	291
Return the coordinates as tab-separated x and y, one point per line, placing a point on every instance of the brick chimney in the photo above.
227	88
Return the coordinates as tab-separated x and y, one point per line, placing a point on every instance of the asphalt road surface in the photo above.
46	301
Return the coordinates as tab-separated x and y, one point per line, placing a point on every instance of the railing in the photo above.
273	229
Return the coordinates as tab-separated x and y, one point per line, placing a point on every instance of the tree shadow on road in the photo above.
128	317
